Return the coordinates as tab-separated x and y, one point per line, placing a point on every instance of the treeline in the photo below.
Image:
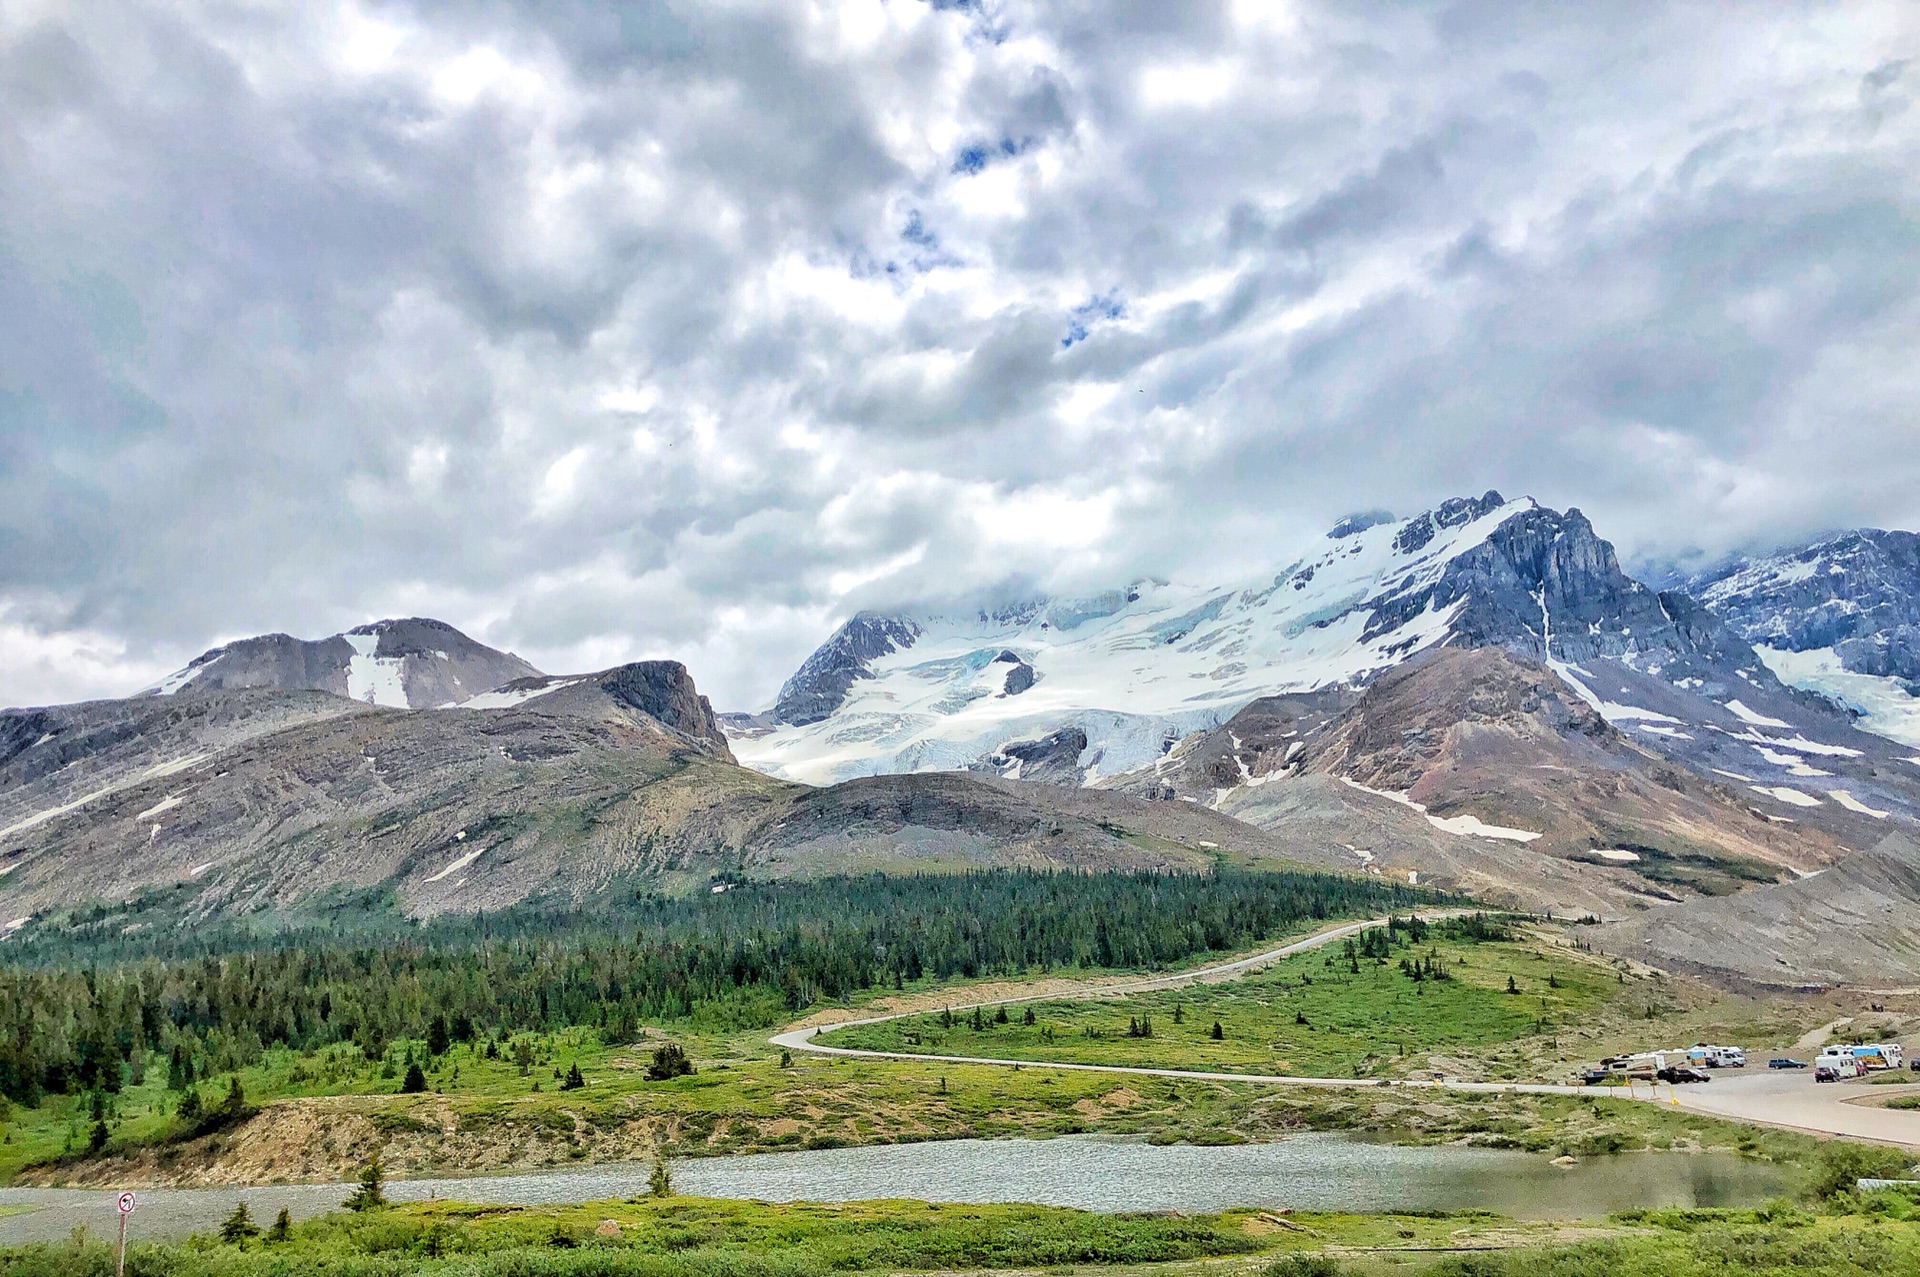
760	949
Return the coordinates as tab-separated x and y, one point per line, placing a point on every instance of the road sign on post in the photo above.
126	1204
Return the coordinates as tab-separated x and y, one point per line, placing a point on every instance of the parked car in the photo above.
1783	1062
1683	1073
1594	1077
1915	1065
1826	1073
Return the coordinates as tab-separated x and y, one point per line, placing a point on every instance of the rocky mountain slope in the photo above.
1512	786
1856	924
414	663
209	802
1840	616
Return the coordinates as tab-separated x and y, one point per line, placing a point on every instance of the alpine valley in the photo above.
1477	698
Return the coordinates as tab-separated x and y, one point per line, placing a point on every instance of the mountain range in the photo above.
1477	697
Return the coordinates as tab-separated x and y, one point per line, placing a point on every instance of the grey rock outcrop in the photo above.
1053	759
1858	923
820	686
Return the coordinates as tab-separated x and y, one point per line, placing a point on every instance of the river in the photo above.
1306	1172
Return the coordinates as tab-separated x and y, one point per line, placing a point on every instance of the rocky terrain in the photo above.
1856	924
1478	695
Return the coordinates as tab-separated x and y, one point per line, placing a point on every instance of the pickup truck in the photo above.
1783	1062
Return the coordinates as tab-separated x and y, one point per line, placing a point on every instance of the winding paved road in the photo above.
1788	1099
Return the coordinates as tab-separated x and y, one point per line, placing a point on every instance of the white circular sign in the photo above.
126	1203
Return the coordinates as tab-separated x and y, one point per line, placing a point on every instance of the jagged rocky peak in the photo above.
1545	584
820	686
408	663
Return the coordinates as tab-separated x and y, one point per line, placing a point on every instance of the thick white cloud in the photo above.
685	329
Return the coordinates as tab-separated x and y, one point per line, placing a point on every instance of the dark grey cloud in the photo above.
675	329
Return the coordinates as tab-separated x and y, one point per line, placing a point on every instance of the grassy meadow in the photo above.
688	1237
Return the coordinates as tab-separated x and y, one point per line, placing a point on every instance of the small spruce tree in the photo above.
371	1192
661	1181
415	1082
1216	1033
282	1228
237	1227
574	1081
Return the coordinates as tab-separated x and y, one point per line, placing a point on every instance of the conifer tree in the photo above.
372	1190
238	1227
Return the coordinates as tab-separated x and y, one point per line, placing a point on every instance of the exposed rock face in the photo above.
1858	593
661	691
1856	924
230	802
1544	579
1020	678
413	663
819	686
1054	759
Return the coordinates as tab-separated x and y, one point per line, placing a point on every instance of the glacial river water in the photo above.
1308	1172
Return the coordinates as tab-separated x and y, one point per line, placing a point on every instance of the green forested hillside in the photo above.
77	1013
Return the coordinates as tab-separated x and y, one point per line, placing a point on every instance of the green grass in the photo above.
692	1237
675	1236
1314	1015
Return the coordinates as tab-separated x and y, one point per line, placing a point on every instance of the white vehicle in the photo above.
1708	1056
1877	1056
1841	1060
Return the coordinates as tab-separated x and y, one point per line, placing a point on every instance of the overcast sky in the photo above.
687	329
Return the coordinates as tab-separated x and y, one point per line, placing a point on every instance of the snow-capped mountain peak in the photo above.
1138	667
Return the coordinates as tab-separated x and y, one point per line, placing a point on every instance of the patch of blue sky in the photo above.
1082	319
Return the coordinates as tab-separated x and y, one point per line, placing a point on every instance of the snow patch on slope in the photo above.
1747	715
507	698
1791	797
1461	826
374	679
1851	803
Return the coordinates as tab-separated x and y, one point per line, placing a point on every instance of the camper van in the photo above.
1707	1056
1878	1056
1837	1064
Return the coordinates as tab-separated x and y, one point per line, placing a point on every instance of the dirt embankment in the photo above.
330	1139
